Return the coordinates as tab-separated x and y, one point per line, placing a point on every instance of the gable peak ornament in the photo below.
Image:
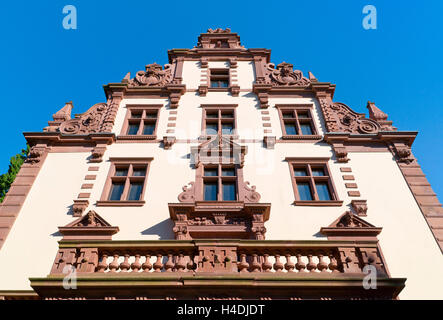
285	75
154	75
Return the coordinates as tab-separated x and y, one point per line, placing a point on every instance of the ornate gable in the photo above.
90	226
218	149
349	225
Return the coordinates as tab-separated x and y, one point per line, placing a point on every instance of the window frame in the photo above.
308	163
130	162
211	76
220	179
139	136
295	109
219	108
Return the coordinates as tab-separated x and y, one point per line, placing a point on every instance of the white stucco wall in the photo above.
31	246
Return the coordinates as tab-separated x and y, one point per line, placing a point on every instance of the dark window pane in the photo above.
211	128
227	128
210	190
211	172
323	190
149	128
212	115
303	114
318	172
121	172
214	84
229	193
288	115
135	191
133	129
116	191
290	129
304	191
136	114
300	172
139	172
151	115
305	129
227	115
224	83
228	172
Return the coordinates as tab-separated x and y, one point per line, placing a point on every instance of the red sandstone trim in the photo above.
20	188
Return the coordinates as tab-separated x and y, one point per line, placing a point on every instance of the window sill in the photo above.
137	137
218	89
126	203
302	137
324	203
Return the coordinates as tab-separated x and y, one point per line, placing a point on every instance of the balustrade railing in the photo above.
236	257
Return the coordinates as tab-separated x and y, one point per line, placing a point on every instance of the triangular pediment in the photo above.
218	149
90	219
350	220
348	225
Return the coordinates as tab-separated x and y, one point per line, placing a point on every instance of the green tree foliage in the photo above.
8	178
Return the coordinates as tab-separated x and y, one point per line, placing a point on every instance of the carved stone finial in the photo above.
312	77
64	113
127	78
379	116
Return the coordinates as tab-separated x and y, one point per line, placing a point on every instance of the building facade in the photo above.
221	176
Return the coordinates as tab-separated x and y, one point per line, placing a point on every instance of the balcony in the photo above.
218	269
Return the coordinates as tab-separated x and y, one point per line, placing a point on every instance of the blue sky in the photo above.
399	65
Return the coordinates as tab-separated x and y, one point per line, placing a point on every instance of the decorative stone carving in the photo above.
89	227
218	149
202	90
350	226
360	207
235	90
154	75
219	30
340	152
79	207
340	118
284	75
188	193
168	141
88	122
250	194
379	116
269	141
403	152
35	154
175	93
97	154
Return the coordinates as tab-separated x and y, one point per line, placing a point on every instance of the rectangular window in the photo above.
219	78
312	182
297	122
219	183
218	121
126	182
140	122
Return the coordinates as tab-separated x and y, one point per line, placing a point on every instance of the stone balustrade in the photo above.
218	256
